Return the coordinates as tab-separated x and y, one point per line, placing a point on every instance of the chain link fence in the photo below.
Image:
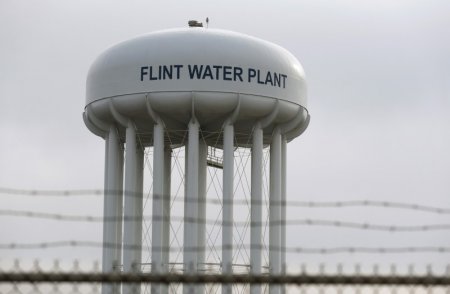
78	278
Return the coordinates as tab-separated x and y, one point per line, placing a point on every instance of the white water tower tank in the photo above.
239	90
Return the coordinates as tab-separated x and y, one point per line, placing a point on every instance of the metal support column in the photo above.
112	208
158	191
157	206
227	212
203	153
119	214
132	241
139	203
283	208
166	214
256	207
275	209
191	203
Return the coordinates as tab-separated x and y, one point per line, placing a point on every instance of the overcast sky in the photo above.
378	75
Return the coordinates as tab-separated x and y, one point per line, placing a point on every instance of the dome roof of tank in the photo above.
200	60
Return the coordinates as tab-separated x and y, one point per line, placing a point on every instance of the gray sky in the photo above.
378	76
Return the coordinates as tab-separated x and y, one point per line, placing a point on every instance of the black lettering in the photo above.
167	72
238	73
152	78
194	71
259	78
144	71
227	73
178	67
208	73
284	80
269	79
217	68
251	74
277	80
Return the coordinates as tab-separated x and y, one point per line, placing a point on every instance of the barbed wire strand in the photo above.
304	250
298	222
305	204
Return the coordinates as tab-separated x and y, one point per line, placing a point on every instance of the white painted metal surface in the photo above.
131	239
275	209
166	208
227	211
166	212
203	74
202	171
158	206
256	219
283	209
191	204
139	205
112	230
203	152
233	63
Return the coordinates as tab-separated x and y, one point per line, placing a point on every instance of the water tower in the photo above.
193	88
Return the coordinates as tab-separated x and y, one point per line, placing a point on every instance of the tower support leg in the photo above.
275	209
283	208
202	169
227	212
112	208
167	213
132	212
191	204
157	206
256	207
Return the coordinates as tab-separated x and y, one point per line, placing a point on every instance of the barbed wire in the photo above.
58	193
298	222
305	204
168	278
304	250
